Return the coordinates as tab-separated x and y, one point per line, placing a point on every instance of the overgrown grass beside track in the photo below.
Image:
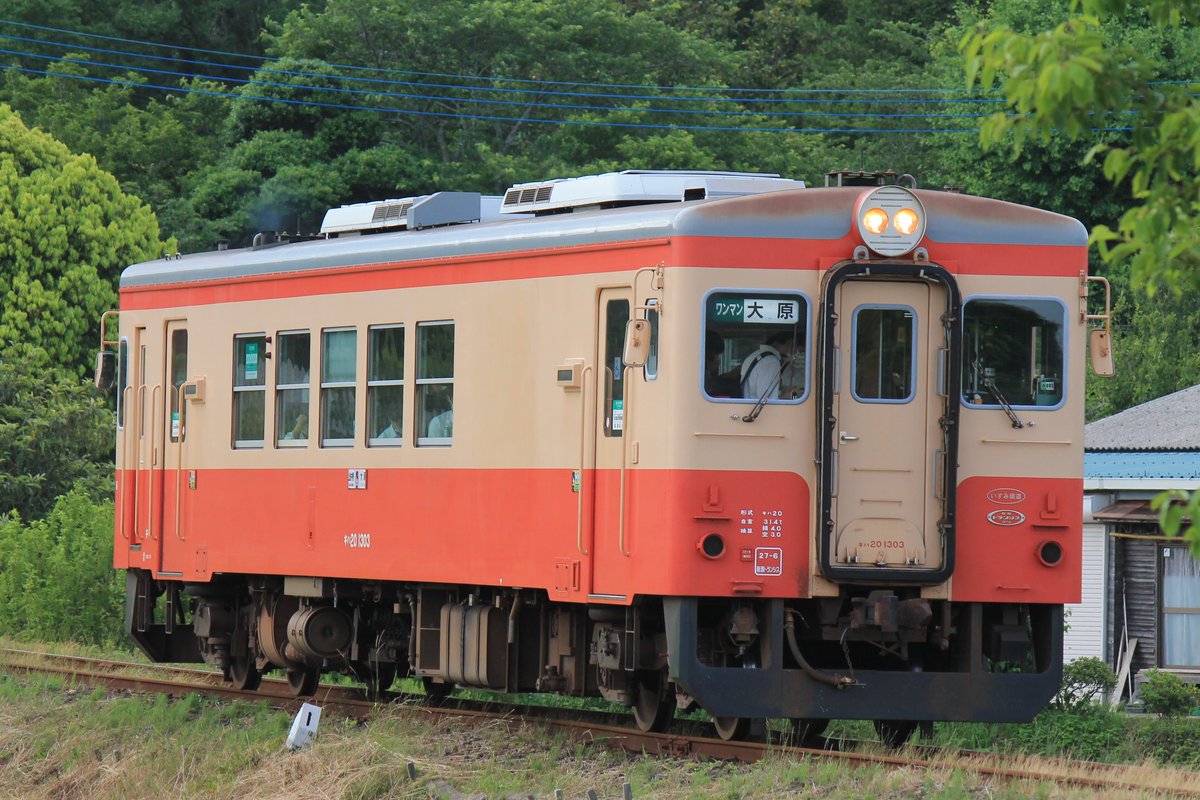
65	743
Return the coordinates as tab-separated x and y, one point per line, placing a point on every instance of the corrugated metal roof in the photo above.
1170	423
1120	464
1127	511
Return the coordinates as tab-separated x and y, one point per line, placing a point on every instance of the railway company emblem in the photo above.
1006	517
1006	497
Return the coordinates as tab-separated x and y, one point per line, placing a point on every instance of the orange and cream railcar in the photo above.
697	438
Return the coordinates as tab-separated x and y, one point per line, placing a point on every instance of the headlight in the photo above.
890	220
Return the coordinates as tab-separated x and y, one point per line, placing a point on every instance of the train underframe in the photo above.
884	654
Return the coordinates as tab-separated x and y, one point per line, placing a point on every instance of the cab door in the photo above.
888	444
171	432
610	546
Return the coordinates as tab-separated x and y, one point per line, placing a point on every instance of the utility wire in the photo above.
485	117
300	73
498	79
488	101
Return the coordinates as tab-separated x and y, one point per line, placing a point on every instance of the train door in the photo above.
136	452
171	431
610	531
886	501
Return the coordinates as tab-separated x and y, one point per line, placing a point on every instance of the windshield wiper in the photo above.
762	401
991	386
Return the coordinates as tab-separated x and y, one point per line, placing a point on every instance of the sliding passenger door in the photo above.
610	529
171	434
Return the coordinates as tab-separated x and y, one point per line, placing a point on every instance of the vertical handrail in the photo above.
154	409
123	465
626	418
583	429
179	462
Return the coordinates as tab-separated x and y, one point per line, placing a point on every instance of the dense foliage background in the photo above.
134	128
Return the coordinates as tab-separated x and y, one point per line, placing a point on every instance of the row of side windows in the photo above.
338	388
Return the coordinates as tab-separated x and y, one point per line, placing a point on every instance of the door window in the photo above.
616	316
884	354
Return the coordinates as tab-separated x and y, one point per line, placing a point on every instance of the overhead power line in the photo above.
489	79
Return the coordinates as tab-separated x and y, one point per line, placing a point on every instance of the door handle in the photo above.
845	437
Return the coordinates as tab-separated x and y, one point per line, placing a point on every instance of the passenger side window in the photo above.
1013	352
339	367
435	383
293	366
755	346
249	390
385	385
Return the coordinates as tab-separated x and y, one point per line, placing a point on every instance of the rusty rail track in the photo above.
592	727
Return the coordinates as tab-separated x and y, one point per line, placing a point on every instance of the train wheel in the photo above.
435	691
303	682
806	731
894	732
244	673
732	728
654	708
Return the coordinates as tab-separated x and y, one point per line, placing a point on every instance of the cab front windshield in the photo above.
1013	352
755	345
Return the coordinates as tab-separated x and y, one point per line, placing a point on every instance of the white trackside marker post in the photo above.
304	726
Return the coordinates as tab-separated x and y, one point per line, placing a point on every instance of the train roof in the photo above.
799	214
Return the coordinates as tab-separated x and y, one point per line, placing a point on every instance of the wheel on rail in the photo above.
807	731
654	707
244	674
303	682
732	728
895	732
436	691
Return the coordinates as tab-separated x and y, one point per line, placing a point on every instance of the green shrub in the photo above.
1174	742
1092	733
1082	680
1165	694
57	582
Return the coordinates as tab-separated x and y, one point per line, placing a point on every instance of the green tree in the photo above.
1072	79
55	433
66	231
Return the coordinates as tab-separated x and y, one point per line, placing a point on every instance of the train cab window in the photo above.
884	354
385	385
755	346
339	369
249	389
651	368
293	370
1013	352
122	380
435	383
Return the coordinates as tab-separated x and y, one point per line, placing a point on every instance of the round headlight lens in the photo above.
906	221
875	220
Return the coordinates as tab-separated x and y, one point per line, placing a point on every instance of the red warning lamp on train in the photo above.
890	220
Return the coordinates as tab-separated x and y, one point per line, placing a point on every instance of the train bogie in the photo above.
743	448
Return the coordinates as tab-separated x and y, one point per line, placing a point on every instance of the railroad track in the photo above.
595	727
